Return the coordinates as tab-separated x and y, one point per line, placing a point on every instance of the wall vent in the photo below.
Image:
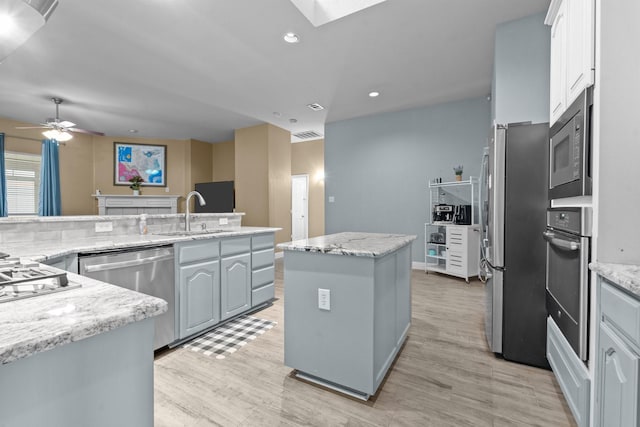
308	134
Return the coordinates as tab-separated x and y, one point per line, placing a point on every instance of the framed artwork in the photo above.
147	161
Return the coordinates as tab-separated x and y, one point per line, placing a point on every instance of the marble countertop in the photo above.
48	250
351	243
627	276
33	325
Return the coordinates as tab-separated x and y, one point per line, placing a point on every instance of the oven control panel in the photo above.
576	220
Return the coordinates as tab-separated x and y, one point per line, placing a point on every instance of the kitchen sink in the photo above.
189	233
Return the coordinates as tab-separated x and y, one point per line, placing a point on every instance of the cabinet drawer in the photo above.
263	258
262	277
263	294
236	245
570	372
262	241
197	250
621	311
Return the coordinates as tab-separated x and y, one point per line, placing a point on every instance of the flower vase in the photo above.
136	192
459	177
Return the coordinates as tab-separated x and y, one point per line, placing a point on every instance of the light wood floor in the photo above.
444	376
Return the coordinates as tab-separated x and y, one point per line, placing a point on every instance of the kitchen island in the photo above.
79	357
347	308
84	356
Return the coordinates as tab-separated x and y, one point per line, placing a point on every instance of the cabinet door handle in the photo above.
610	352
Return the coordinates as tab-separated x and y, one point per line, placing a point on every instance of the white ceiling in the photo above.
199	69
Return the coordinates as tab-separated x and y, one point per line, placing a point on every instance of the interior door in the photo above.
299	207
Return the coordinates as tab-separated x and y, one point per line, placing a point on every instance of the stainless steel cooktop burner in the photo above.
29	279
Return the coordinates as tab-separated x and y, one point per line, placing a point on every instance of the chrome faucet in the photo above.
187	217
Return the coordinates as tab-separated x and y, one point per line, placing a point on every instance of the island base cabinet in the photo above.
351	342
199	297
102	381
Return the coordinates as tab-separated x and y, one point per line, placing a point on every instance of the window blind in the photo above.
23	182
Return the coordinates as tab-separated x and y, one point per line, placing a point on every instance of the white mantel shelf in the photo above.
127	204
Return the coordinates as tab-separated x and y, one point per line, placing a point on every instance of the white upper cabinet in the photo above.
572	52
558	66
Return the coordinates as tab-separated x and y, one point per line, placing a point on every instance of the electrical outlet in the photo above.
223	221
166	189
324	299
103	227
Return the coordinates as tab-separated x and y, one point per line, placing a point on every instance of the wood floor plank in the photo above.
444	376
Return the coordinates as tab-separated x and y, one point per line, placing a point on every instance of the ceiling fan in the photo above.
60	129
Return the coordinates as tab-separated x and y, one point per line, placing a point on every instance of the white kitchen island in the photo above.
347	302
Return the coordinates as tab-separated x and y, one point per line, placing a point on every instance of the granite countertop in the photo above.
351	243
33	325
49	250
627	276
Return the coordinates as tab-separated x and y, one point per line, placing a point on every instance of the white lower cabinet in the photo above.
197	285
262	269
570	372
618	358
452	249
215	279
199	296
235	286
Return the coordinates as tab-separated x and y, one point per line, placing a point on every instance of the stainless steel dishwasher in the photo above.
149	271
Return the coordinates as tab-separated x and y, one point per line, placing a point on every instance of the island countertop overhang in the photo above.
351	243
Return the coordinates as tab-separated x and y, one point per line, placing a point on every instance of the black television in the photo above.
219	196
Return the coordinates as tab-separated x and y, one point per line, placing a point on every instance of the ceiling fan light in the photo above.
57	135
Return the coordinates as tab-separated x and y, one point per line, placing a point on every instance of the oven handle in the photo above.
559	242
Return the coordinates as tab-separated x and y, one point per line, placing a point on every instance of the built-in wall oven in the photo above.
567	286
570	150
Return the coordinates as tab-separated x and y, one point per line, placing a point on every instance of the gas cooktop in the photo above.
20	279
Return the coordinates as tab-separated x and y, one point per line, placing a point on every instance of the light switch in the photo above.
332	199
324	299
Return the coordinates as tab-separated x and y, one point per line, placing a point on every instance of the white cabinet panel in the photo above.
580	47
459	255
572	52
558	66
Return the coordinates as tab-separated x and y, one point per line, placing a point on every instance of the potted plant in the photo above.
136	181
458	172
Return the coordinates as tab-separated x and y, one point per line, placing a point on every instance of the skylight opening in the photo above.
320	12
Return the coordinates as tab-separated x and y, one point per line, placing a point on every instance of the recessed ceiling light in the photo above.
278	114
315	106
133	130
291	38
293	120
374	94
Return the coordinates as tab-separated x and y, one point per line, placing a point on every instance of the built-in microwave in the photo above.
570	150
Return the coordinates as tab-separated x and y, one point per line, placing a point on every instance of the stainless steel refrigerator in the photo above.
513	201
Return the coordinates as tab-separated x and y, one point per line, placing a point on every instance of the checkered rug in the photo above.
230	336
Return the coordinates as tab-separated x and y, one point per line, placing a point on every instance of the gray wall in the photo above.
520	89
377	167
